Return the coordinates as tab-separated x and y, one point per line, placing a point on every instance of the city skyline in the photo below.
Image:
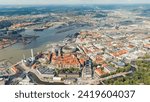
72	2
74	43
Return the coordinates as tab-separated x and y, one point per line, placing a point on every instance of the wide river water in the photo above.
15	52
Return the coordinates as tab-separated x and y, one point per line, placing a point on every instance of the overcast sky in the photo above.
71	1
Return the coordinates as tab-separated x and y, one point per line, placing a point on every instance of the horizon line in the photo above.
79	4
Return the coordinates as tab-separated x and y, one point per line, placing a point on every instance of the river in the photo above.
15	52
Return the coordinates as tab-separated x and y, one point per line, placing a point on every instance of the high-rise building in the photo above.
88	71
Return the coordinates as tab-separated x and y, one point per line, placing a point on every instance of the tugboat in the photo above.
38	29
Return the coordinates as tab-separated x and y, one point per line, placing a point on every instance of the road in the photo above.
115	76
28	69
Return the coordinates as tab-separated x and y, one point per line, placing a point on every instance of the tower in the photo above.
88	71
24	57
32	53
32	56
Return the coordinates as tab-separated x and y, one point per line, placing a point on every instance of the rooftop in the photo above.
99	72
119	53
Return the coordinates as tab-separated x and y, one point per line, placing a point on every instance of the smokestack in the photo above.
32	53
24	57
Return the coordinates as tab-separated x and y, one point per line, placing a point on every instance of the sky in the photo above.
72	1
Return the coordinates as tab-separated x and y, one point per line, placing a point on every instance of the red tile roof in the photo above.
119	53
99	71
67	59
